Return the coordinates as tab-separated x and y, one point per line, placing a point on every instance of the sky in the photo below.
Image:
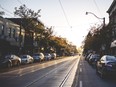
67	17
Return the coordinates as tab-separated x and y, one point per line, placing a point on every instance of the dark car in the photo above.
88	56
38	57
9	61
106	66
93	59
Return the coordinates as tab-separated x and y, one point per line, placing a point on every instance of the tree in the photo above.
98	37
29	21
24	12
93	40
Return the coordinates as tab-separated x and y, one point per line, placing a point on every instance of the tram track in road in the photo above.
67	75
55	71
51	74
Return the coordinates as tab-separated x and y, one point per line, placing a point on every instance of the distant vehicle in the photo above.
88	56
93	59
26	59
72	54
47	56
53	55
106	66
10	60
38	57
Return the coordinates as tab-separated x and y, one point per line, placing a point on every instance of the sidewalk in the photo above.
86	77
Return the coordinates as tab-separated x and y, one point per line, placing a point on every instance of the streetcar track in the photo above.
67	76
63	81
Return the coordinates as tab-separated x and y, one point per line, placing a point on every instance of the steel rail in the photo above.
62	83
67	76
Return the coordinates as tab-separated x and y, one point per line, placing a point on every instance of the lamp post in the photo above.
97	17
103	45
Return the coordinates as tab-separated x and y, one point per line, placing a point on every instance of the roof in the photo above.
111	7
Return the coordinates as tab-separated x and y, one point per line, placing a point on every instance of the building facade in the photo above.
31	33
112	22
11	40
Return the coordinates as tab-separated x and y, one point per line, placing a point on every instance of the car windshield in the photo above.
36	54
96	55
46	54
111	58
23	56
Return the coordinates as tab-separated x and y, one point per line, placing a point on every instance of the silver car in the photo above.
53	55
47	56
25	59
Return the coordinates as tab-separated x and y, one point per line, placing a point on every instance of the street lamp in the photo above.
103	45
97	17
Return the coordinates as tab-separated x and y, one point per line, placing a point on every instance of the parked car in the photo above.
47	56
53	55
25	59
93	59
10	60
106	66
88	56
38	57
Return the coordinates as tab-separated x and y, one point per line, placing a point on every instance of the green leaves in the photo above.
24	12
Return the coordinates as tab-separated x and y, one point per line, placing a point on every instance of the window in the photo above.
110	58
14	33
2	29
114	19
9	32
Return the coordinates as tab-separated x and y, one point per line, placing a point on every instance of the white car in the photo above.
53	55
25	59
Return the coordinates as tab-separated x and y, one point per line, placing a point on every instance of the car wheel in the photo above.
102	74
39	60
97	71
18	63
9	65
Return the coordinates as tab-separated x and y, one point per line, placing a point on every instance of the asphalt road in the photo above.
57	73
87	77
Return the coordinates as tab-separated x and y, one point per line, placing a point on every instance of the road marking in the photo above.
80	69
80	85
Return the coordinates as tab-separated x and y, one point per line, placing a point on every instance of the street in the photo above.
57	73
87	77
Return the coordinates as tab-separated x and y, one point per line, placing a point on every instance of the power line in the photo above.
6	11
64	13
97	6
20	2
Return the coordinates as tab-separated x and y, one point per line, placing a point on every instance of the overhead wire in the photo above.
64	14
97	8
6	11
19	2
